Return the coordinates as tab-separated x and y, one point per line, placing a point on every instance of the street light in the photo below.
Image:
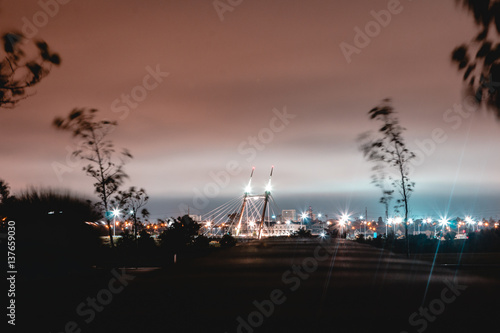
389	222
115	212
443	222
470	221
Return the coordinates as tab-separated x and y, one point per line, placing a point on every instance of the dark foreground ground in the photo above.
272	286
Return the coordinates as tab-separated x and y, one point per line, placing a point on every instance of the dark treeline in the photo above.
59	233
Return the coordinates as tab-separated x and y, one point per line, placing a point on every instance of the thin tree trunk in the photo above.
405	200
103	184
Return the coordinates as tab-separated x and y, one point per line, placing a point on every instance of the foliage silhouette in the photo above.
179	235
479	59
227	241
379	179
131	200
4	192
99	152
302	233
201	242
55	232
389	149
24	63
146	243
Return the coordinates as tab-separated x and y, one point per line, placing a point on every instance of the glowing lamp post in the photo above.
389	222
342	224
115	212
443	222
303	217
410	221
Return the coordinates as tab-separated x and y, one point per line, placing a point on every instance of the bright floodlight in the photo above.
361	217
410	220
345	217
323	235
268	188
116	212
390	220
248	189
398	220
288	222
443	221
469	220
319	215
303	215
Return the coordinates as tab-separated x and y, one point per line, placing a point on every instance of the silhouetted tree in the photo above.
99	152
23	65
302	233
132	200
479	59
55	230
201	242
145	214
4	198
179	235
4	191
391	150
379	180
145	242
127	241
227	241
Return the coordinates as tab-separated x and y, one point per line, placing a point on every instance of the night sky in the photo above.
227	81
